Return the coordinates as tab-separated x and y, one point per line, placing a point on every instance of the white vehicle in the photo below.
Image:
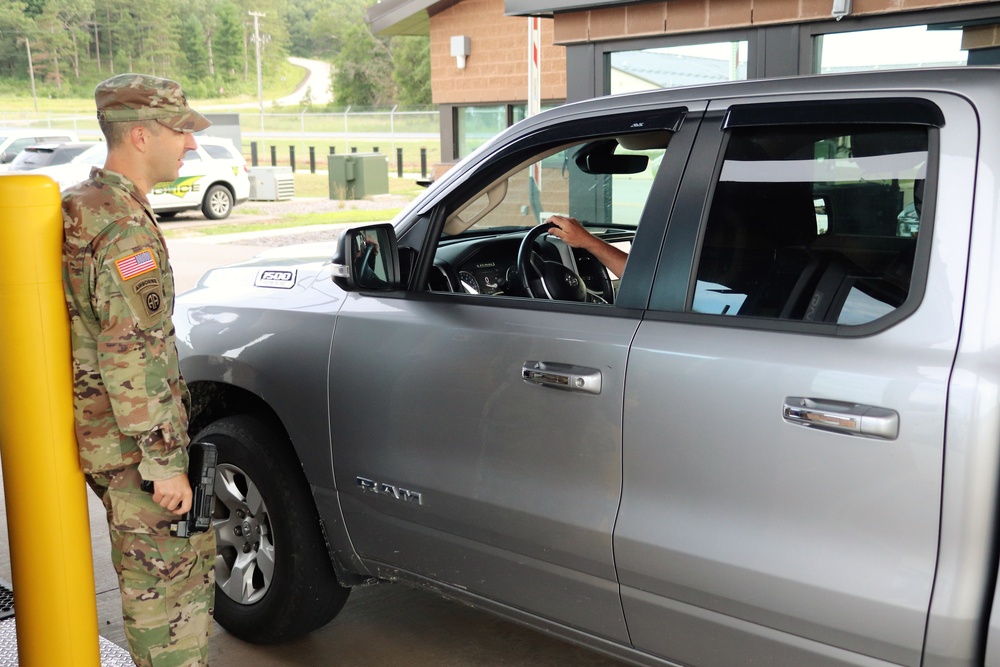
213	178
13	141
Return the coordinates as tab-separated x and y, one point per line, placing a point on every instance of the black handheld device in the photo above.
202	458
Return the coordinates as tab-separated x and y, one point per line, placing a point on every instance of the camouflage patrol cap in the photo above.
131	97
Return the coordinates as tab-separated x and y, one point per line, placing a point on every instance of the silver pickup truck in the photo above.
774	439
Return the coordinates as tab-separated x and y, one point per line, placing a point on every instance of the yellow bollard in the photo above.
48	522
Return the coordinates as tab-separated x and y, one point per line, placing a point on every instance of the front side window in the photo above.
604	183
814	224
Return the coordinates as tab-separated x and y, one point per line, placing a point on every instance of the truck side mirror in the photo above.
367	259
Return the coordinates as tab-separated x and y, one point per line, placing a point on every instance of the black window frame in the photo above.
682	248
634	294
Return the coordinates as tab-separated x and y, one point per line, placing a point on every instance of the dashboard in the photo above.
487	265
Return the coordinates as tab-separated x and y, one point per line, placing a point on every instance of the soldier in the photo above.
130	402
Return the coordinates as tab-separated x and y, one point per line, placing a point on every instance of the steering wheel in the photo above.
543	279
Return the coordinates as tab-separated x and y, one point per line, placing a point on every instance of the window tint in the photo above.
815	224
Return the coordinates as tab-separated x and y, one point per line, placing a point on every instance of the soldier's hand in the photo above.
173	494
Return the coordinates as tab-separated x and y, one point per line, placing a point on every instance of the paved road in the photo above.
317	82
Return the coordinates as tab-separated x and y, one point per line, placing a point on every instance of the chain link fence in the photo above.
410	138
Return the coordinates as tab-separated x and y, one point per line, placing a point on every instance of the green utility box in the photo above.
358	175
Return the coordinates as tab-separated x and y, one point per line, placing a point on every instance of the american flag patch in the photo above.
137	264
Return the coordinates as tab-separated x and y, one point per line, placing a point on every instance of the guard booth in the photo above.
358	175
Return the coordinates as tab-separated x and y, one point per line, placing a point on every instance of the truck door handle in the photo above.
562	376
842	417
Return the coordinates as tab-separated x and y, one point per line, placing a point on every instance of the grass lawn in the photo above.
318	185
347	216
274	87
307	186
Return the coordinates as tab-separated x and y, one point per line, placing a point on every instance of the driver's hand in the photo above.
574	235
570	231
367	243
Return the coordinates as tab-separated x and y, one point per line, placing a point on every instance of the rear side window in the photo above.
31	158
817	223
218	152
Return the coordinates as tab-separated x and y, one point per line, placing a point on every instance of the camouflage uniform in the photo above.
130	412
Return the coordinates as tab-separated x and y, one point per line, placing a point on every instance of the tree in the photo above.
50	44
227	44
411	58
363	74
194	46
71	17
14	26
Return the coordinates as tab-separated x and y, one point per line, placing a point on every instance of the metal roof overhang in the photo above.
400	17
550	7
412	17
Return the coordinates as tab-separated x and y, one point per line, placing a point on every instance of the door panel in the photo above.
519	484
489	453
745	537
820	535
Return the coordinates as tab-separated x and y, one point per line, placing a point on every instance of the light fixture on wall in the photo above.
460	48
841	8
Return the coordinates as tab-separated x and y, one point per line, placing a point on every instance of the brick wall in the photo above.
497	68
680	16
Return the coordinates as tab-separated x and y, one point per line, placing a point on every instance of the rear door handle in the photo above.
842	417
562	376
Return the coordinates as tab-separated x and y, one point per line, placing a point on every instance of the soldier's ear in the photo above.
140	135
135	135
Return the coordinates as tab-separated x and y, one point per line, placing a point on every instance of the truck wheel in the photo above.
274	579
218	203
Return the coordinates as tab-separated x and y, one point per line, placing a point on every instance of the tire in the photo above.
274	577
218	203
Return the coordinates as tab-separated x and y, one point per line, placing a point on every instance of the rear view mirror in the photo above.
599	157
367	259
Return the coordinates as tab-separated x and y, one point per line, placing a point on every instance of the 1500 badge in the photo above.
277	278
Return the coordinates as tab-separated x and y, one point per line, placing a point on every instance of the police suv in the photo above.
213	178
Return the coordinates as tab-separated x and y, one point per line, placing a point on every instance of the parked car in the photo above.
774	440
14	140
47	155
213	178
